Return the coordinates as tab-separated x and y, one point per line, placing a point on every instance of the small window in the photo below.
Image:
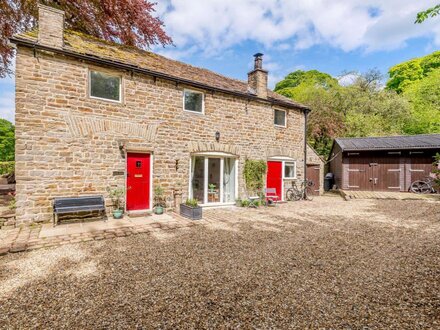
279	118
290	170
105	86
193	101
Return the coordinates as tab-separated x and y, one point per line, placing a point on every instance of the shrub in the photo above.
254	171
191	202
7	167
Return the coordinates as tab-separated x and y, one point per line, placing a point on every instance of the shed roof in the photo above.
422	141
76	43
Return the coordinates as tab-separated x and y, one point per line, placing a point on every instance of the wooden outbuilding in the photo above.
389	163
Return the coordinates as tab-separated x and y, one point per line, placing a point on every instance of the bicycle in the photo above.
305	192
425	186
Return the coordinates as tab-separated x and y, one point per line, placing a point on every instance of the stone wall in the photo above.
67	144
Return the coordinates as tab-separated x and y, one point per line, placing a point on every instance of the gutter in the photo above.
392	149
134	68
305	150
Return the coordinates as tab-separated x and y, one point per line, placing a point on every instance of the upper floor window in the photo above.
279	118
193	101
105	86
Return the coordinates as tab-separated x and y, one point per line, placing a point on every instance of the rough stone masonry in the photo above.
68	144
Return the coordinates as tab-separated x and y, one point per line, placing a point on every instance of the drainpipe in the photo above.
305	148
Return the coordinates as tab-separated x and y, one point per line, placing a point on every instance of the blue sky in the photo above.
330	36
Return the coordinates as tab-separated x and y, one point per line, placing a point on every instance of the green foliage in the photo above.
436	171
424	97
403	75
7	167
192	202
7	141
254	171
116	195
430	12
360	109
159	198
12	204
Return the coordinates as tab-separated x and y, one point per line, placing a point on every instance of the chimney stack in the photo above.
257	78
50	26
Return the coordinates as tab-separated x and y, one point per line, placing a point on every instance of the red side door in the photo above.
275	177
138	181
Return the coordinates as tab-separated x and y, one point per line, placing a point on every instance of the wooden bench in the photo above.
64	205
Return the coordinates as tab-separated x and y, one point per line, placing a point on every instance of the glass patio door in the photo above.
213	179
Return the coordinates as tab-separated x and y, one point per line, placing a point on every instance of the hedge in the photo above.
7	167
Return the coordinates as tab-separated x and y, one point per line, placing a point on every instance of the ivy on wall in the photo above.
254	171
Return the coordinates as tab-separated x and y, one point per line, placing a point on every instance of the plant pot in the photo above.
193	213
117	214
158	210
239	203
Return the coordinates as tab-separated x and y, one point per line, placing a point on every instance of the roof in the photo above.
423	141
79	44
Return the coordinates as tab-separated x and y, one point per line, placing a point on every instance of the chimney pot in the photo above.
257	78
258	64
50	26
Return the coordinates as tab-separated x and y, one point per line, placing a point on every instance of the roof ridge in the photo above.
386	136
81	44
137	49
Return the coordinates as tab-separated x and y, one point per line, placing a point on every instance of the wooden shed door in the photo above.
375	173
313	174
418	166
359	173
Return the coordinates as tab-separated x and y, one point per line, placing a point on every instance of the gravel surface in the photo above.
326	264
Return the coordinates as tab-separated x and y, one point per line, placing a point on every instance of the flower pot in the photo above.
193	213
158	210
117	214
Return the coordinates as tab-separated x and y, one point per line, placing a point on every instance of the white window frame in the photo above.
285	118
101	98
206	157
285	163
197	92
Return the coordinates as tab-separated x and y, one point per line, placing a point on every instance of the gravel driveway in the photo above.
326	264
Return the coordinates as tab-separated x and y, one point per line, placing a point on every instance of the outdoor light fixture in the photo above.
217	136
121	145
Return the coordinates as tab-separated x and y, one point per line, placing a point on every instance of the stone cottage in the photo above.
92	114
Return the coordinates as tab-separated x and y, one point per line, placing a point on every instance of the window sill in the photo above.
194	112
107	100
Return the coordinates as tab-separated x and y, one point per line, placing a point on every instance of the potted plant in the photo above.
159	200
116	195
191	209
238	202
211	187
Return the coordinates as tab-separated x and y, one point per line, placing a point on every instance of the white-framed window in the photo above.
279	118
193	101
289	170
105	86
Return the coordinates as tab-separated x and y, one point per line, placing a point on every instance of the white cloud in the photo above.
215	25
7	106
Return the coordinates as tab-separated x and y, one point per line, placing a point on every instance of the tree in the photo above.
318	91
363	108
430	12
402	75
130	22
424	97
7	141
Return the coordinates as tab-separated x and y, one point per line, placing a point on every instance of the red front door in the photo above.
275	177
138	181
